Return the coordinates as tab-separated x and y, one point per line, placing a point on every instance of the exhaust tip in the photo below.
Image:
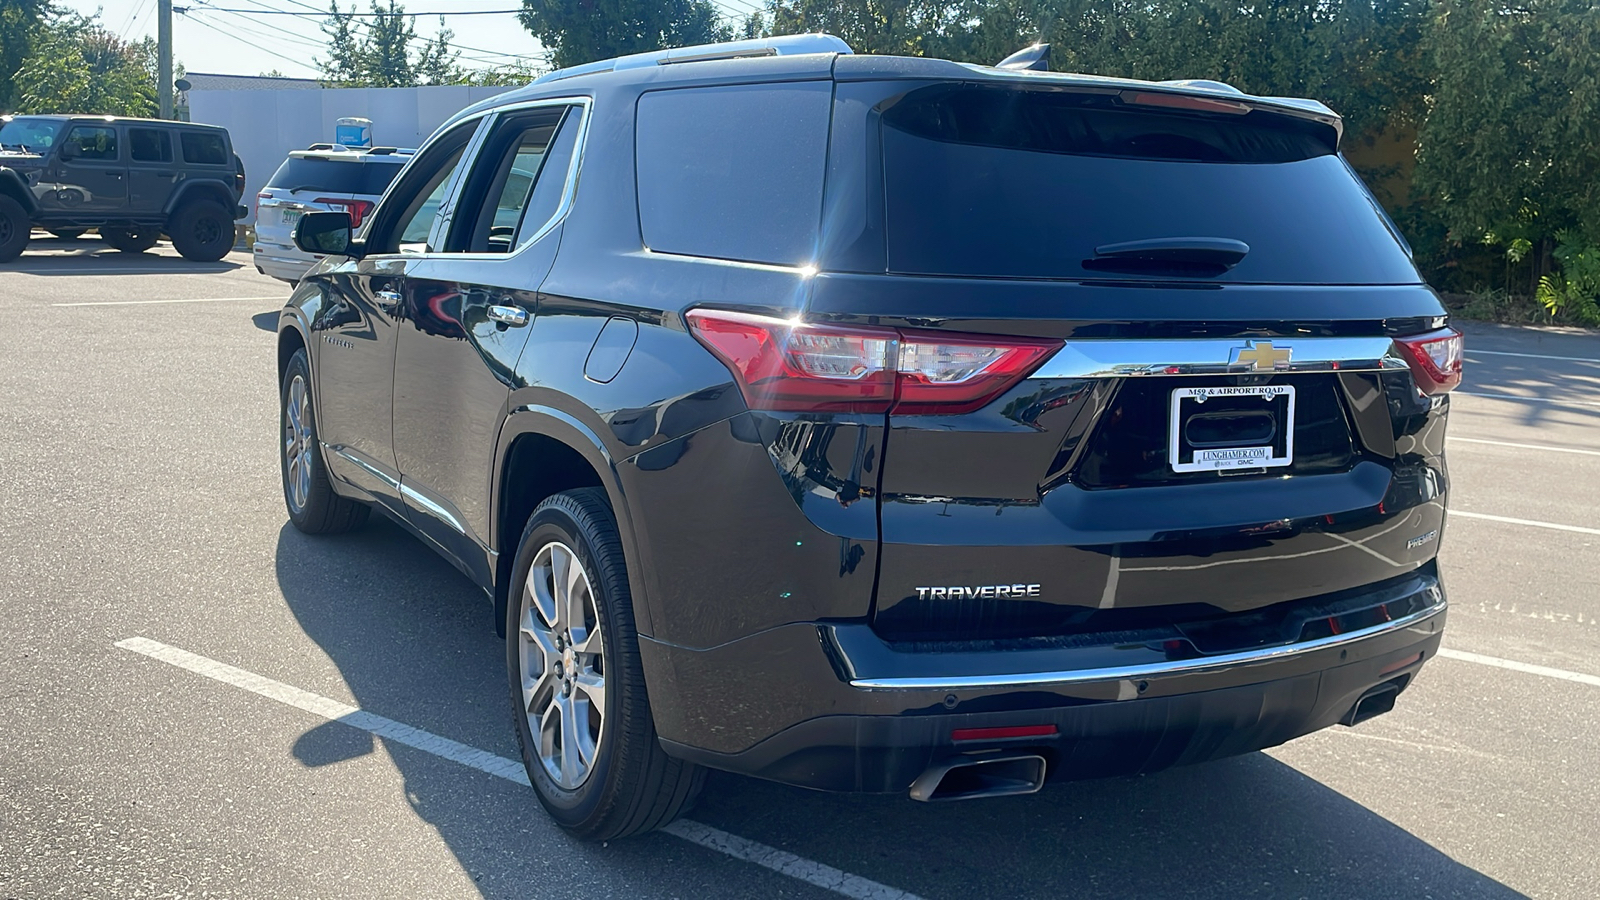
970	778
1374	702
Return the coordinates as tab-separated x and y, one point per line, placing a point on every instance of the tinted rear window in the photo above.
1013	183
734	172
335	176
204	147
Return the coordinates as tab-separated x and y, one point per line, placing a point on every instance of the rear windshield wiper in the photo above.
1188	255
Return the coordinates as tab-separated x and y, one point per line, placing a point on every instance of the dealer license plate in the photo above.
1231	428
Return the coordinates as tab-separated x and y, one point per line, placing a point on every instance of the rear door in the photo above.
1223	423
152	173
355	331
91	174
470	304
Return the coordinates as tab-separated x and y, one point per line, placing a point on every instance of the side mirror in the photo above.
70	150
324	233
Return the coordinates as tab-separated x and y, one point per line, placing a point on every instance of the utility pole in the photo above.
164	57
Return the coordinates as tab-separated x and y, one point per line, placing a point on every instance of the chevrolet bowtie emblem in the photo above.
1261	355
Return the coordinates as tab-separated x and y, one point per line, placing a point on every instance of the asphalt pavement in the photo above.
180	671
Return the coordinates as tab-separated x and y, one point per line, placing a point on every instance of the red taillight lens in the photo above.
260	197
357	209
1435	359
783	364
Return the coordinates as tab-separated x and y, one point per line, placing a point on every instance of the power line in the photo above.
360	15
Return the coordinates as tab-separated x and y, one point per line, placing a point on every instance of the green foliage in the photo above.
377	52
580	31
21	22
1573	293
76	66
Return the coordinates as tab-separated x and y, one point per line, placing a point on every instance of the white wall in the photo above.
266	125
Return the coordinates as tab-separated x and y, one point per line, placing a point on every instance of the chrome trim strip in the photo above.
1110	358
444	515
1148	670
363	464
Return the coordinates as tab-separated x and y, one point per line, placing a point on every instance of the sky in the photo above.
209	39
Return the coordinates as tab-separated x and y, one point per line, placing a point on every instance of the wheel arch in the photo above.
191	191
13	186
542	452
290	339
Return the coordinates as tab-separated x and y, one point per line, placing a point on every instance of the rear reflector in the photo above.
1000	734
786	364
1434	358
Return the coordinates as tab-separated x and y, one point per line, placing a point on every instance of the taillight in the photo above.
783	364
357	209
1434	358
260	197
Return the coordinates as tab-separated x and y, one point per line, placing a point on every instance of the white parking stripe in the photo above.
782	862
1513	665
278	297
1460	393
1532	523
1462	440
1531	355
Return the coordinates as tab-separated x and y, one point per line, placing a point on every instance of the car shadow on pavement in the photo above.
91	256
415	642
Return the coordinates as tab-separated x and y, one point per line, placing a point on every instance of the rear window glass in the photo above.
734	172
1028	184
335	176
204	147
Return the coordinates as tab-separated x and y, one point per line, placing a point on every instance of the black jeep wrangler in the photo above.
133	179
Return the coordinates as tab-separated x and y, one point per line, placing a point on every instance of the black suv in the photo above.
131	178
892	425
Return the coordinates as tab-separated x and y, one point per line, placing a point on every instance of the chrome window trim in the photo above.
1113	358
1203	665
447	210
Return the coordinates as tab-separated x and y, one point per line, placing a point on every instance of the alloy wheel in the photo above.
562	659
297	444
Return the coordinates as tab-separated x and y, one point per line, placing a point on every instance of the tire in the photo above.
201	231
313	506
68	234
629	784
15	229
136	239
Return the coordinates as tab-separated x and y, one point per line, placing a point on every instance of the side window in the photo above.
149	145
517	180
204	148
733	172
405	218
98	142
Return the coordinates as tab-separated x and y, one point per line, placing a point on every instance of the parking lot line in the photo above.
1532	355
1532	523
1513	665
1462	440
1460	393
782	862
177	300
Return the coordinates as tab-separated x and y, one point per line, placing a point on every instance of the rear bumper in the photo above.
794	704
284	263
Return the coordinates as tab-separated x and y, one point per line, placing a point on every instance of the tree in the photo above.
21	21
76	66
382	55
580	31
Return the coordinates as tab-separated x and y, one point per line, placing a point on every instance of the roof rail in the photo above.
786	45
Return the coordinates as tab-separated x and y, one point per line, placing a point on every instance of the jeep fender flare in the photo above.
565	428
207	189
13	186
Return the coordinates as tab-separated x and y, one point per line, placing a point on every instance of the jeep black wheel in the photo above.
130	240
201	231
307	492
68	234
578	699
14	229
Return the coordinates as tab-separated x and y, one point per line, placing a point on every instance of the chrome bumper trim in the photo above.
1195	666
1113	358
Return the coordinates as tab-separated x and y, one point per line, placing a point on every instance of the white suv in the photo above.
324	177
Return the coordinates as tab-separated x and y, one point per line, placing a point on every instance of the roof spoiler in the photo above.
786	45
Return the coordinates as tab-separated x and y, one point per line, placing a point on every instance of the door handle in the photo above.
508	315
388	298
111	172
